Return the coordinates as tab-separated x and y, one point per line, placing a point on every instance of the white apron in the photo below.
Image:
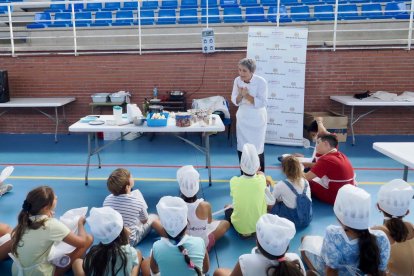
251	127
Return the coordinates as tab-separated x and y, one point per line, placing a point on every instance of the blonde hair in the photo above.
118	180
291	168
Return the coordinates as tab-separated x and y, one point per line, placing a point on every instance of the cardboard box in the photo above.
109	136
333	122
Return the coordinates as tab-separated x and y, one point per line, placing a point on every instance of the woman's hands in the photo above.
244	93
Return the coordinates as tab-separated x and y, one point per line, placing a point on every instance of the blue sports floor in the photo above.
40	161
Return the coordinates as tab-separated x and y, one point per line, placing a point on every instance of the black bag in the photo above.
364	95
4	87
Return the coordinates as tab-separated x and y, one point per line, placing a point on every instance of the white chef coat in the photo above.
251	118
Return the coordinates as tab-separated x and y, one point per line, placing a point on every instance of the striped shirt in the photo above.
132	208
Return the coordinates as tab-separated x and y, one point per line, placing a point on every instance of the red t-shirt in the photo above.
335	166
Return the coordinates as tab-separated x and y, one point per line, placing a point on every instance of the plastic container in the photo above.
157	122
183	119
117	114
100	97
117	99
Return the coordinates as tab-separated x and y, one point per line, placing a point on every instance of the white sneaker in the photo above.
5	188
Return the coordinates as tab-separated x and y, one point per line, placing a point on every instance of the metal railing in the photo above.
16	39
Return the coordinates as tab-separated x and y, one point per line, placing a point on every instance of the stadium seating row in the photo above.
230	15
174	4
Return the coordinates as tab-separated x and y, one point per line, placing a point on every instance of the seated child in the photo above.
131	206
5	241
37	231
293	195
394	200
200	221
248	193
108	228
351	248
179	254
270	257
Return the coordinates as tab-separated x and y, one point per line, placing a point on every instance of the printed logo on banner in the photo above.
293	85
294	71
294	60
276	47
258	44
277	34
275	57
272	82
296	35
258	35
296	46
258	59
275	72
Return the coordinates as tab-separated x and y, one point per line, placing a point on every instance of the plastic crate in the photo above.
117	99
157	122
100	97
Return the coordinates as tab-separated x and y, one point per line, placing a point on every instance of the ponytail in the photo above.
35	201
284	267
184	251
369	255
396	226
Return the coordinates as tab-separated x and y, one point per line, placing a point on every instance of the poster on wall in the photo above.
280	55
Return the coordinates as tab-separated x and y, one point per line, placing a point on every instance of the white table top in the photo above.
37	102
85	127
351	101
402	152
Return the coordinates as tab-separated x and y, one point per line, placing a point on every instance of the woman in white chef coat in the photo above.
250	95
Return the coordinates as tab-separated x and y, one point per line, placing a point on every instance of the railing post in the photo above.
75	43
335	25
139	28
410	26
11	30
278	13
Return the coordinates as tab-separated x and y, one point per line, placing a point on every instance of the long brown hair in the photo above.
291	168
35	201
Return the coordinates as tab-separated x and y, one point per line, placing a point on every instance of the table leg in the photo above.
352	125
97	153
64	118
405	176
56	123
208	164
89	157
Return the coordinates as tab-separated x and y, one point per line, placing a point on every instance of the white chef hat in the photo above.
173	214
106	224
188	178
395	197
274	233
249	162
5	173
352	207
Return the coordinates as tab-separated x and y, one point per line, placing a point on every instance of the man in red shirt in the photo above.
331	171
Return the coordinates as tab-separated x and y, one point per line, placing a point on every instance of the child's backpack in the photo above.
303	205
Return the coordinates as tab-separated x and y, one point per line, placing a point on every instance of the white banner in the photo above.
280	55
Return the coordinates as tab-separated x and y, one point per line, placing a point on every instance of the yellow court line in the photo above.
151	179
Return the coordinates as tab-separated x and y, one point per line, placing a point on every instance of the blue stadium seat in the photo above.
311	2
272	14
102	18
131	5
324	12
248	3
289	2
149	5
213	15
124	18
348	12
3	9
112	6
188	4
188	16
56	8
229	3
42	20
76	7
255	14
93	7
232	15
396	10
169	4
166	17
268	2
83	19
211	3
300	13
372	11
62	19
147	17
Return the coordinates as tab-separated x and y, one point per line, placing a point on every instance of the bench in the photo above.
38	104
367	102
